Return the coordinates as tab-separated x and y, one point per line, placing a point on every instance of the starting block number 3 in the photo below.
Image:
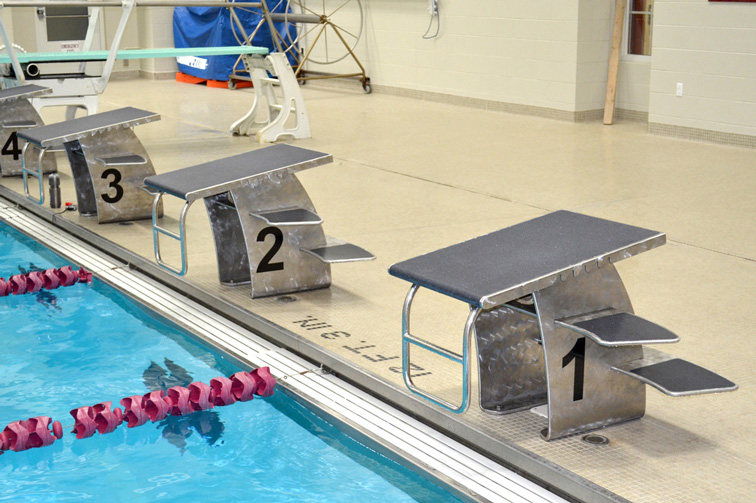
113	184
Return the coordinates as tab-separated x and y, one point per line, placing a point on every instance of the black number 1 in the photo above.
577	353
265	264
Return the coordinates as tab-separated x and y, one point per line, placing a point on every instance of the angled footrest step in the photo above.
293	216
121	160
19	124
346	252
674	376
616	328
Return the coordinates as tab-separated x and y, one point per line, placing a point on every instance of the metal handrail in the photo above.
464	359
36	174
180	237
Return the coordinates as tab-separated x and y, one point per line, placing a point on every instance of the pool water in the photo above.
87	343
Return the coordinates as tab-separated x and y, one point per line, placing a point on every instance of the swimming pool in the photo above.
88	343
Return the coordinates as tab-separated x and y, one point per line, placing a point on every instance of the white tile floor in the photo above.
410	177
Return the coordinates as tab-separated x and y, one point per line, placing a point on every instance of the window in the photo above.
639	27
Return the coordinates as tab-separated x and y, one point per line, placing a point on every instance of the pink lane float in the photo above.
50	279
138	409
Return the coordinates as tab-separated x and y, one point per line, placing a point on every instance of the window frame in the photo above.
640	58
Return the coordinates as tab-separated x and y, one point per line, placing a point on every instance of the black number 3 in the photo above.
113	185
265	264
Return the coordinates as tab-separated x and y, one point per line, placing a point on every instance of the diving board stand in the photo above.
18	114
271	74
108	162
265	227
552	322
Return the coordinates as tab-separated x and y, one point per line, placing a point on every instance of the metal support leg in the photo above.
180	237
464	359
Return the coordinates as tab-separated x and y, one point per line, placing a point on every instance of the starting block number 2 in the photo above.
266	264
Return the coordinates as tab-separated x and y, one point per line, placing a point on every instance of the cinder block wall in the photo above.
709	47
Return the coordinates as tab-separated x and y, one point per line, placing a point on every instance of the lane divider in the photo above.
155	406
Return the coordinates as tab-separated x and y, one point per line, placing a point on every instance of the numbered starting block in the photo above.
18	114
553	323
265	227
107	160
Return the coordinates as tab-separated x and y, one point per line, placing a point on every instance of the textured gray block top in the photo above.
491	270
222	175
62	132
27	91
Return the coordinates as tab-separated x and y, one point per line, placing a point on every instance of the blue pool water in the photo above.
86	344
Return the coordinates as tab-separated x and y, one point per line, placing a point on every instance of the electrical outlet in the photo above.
679	89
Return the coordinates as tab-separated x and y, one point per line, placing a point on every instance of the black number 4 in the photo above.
13	144
577	353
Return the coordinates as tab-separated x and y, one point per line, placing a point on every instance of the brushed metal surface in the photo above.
112	194
298	270
608	397
19	110
511	369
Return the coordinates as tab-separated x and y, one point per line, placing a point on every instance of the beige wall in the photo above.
156	30
711	49
500	50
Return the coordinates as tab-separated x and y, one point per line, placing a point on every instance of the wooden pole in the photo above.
614	59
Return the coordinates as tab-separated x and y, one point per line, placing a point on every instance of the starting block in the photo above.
266	230
107	160
553	323
17	114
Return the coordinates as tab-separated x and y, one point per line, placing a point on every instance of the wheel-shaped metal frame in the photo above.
326	19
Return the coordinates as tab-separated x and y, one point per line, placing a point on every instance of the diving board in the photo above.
169	52
553	323
80	90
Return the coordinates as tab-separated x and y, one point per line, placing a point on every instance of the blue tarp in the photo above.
212	27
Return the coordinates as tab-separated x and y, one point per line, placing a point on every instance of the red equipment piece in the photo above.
84	425
18	284
67	276
134	414
200	396
222	394
106	419
39	432
51	279
16	436
155	407
5	288
265	382
34	282
178	401
243	386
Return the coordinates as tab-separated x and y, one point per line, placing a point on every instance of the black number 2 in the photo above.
13	144
113	185
265	264
577	353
